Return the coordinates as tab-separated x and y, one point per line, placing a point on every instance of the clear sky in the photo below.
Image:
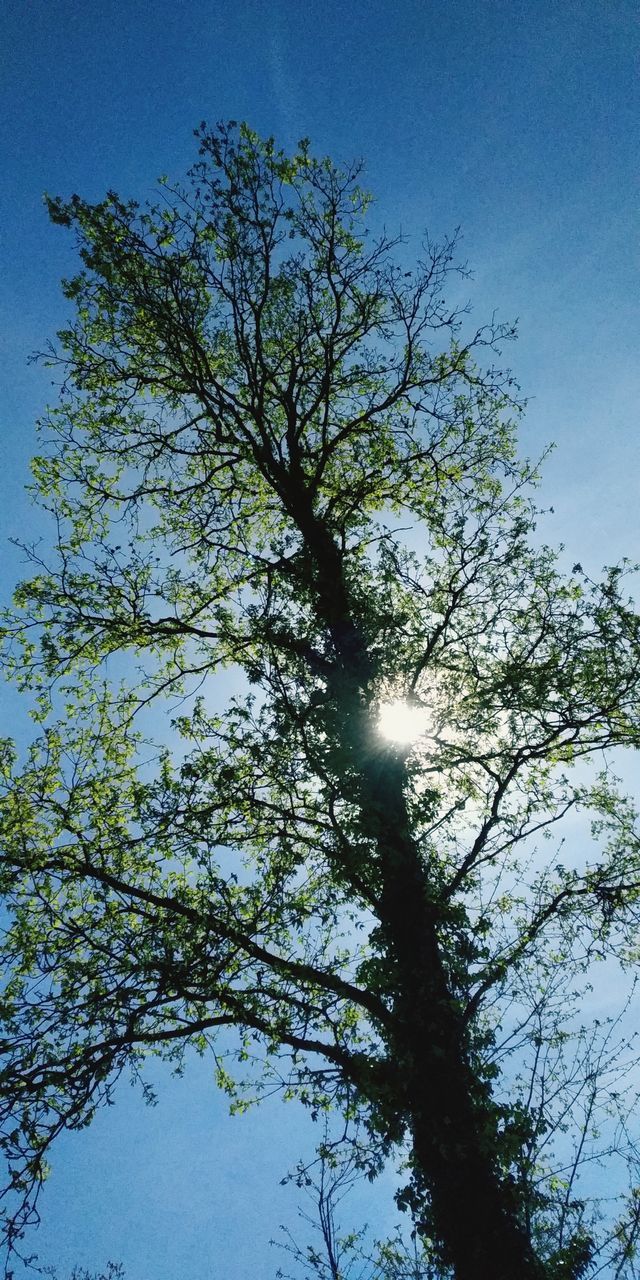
515	119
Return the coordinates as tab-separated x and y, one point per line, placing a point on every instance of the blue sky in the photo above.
515	119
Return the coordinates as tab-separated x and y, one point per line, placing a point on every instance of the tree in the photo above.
112	1271
332	1253
277	460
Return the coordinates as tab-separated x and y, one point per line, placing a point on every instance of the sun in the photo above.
401	722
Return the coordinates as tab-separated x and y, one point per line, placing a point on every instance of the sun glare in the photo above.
401	722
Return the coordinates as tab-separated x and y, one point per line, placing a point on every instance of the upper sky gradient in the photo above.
515	119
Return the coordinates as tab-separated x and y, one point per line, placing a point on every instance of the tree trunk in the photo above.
450	1112
452	1118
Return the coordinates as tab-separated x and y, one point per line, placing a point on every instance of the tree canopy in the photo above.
280	465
